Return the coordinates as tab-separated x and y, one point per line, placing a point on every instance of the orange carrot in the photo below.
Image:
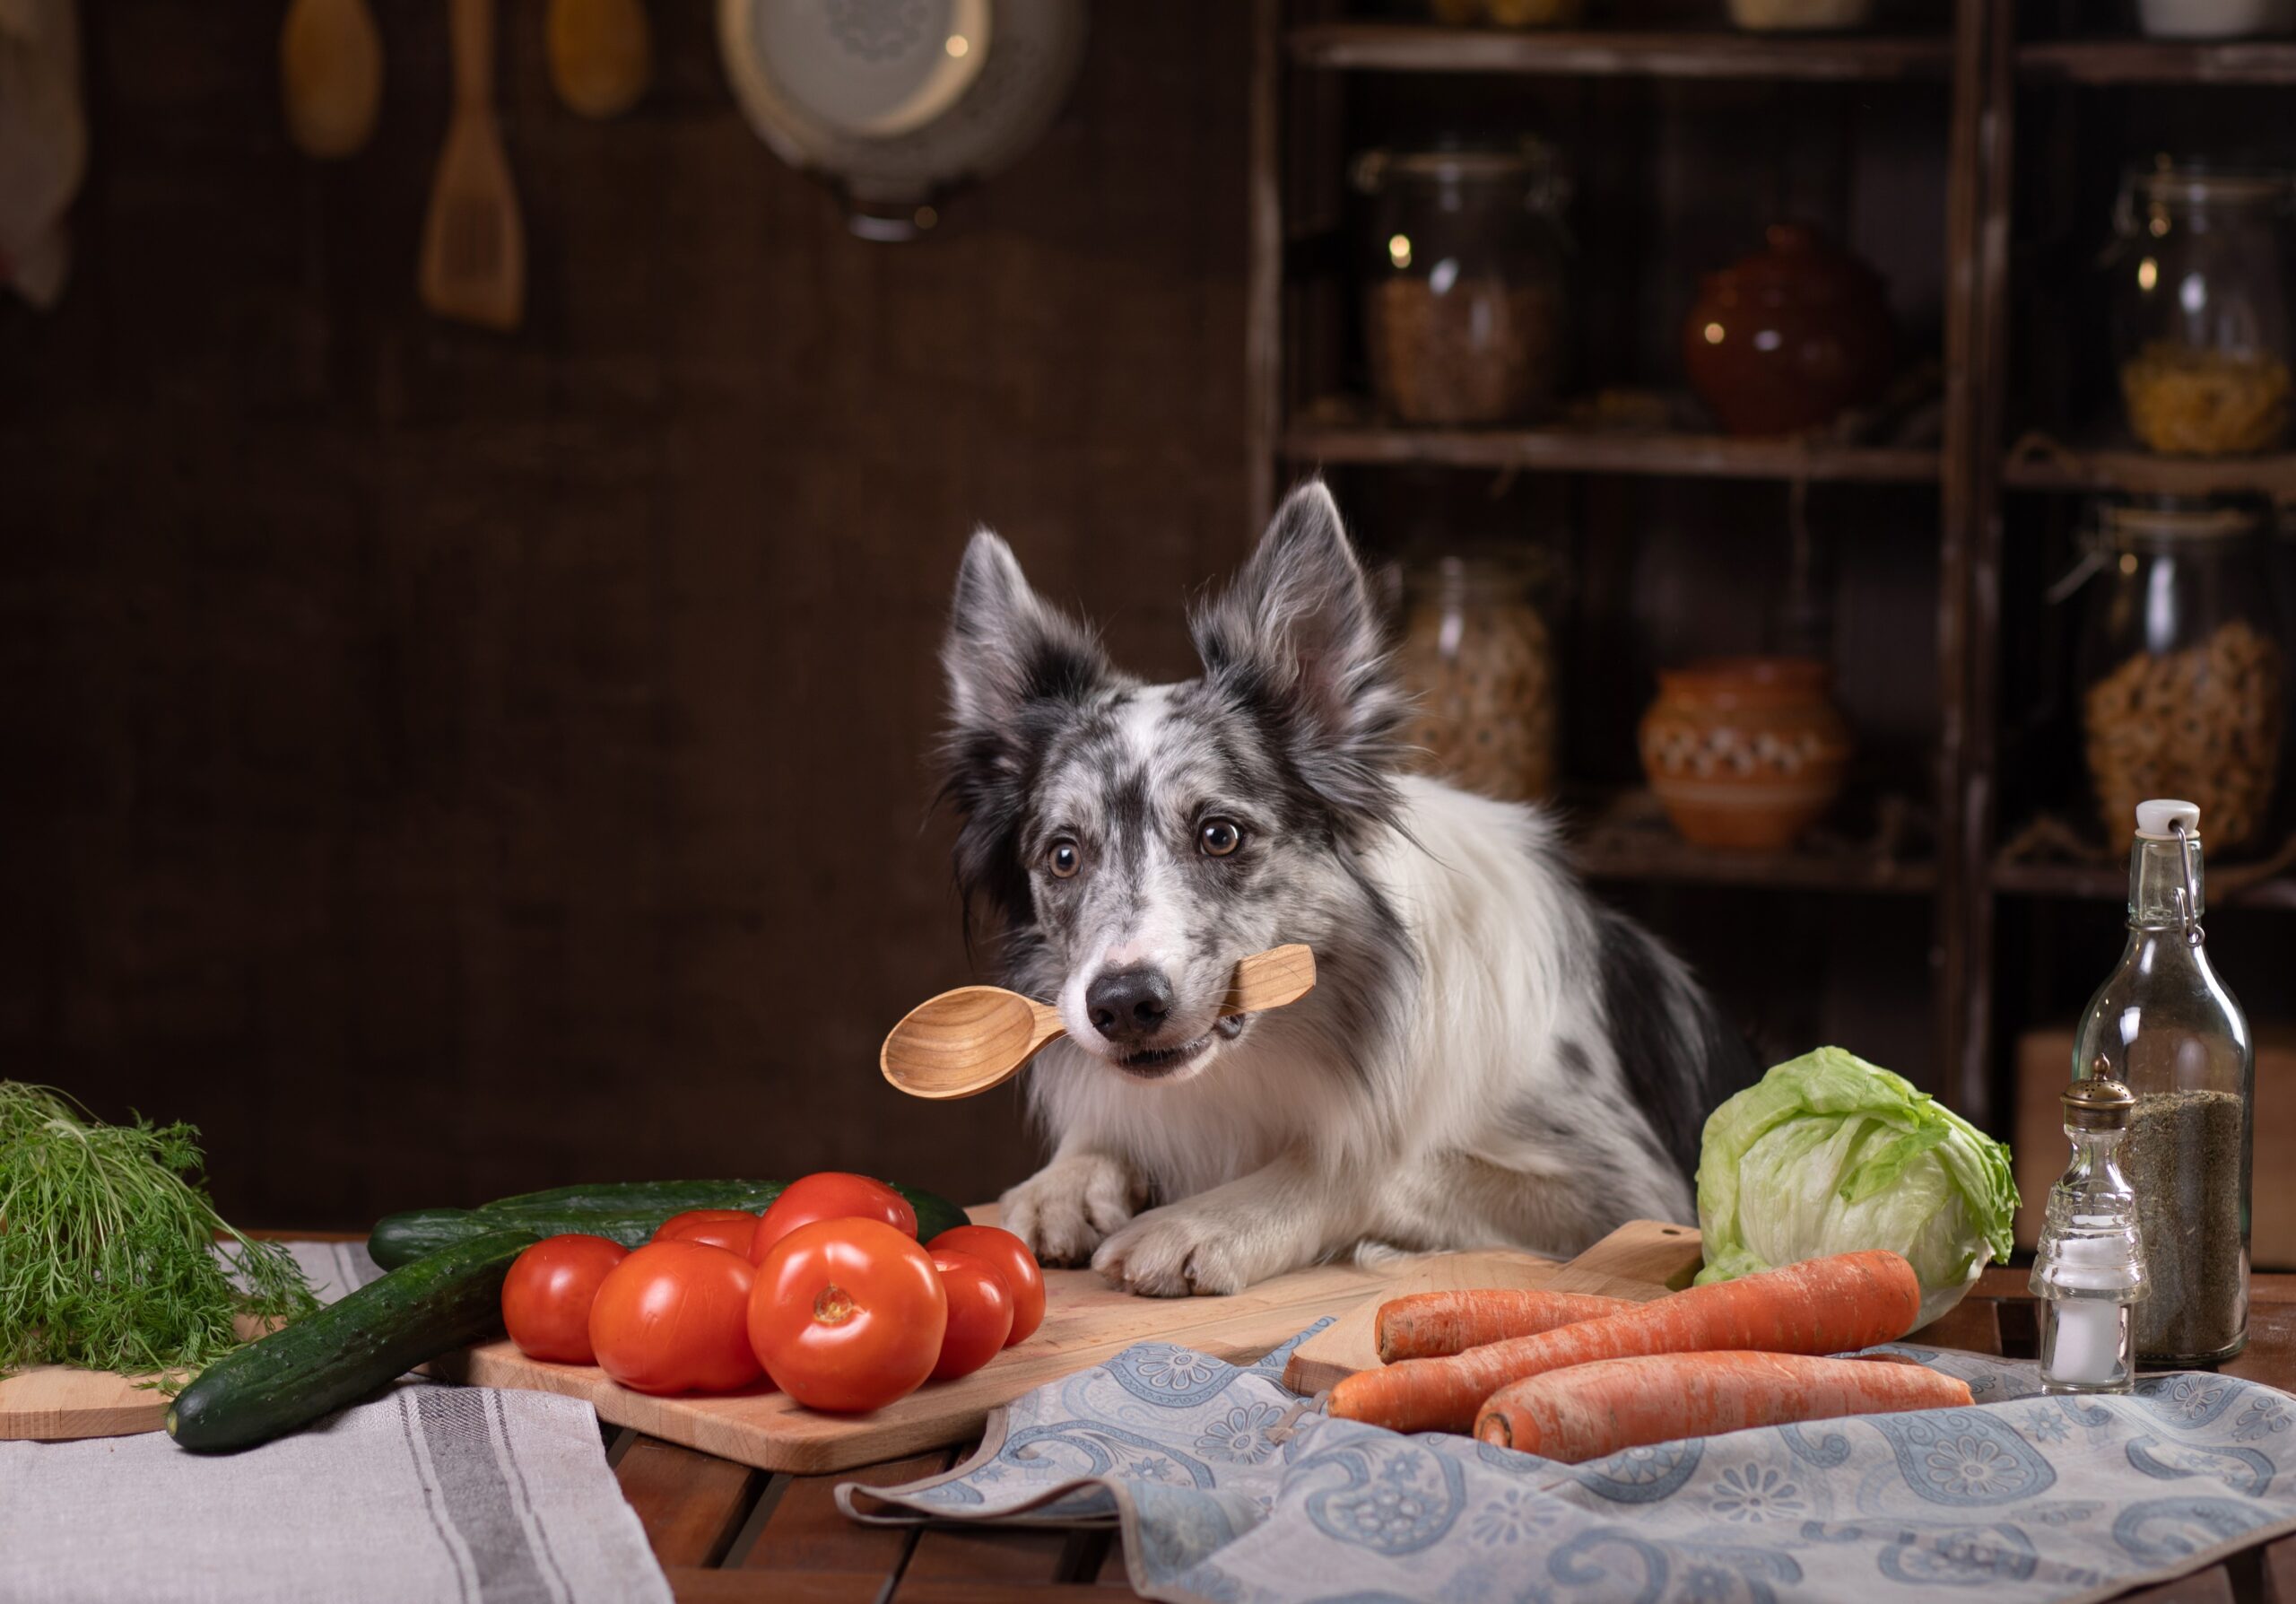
1589	1410
1818	1306
1432	1324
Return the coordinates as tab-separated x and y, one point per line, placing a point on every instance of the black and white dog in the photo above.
1489	1058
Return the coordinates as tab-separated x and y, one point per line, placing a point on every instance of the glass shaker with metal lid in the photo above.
2089	1265
2200	272
2165	1027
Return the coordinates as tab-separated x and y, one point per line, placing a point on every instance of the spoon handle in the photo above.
1270	979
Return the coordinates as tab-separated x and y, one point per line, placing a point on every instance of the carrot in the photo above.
1818	1306
1589	1410
1432	1324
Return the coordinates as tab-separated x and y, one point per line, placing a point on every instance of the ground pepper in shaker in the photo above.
2164	1025
2089	1265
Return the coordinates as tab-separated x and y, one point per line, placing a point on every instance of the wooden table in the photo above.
726	1533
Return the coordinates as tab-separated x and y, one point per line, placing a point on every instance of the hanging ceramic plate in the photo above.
895	101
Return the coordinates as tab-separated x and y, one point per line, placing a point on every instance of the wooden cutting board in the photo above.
50	1403
1641	1259
1085	1322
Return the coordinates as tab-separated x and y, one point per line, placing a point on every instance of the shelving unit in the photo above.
1990	465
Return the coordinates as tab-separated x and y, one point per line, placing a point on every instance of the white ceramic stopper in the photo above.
2160	815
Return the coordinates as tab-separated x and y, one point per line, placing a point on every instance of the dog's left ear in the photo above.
1297	637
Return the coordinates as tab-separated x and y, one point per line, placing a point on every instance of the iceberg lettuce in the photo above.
1829	1153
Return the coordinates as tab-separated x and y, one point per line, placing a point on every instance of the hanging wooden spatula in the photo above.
474	247
964	1042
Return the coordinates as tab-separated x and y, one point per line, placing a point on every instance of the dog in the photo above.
1490	1057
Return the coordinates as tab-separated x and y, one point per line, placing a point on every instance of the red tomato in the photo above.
727	1228
1009	1258
546	1297
673	1318
847	1314
980	1313
830	1195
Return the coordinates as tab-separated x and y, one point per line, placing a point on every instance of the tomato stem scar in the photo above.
834	1306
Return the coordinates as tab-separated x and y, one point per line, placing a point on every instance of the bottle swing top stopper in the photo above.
2161	816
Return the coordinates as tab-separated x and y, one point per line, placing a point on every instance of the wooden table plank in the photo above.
996	1558
1000	1593
691	1504
2270	1356
2277	1583
1115	1571
692	1585
2211	1586
807	1533
1973	1325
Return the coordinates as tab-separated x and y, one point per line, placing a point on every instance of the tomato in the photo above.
980	1313
847	1314
830	1195
673	1318
546	1297
727	1228
1009	1258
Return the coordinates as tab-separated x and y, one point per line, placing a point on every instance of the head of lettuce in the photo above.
1829	1153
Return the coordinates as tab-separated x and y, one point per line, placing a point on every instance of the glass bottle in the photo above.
2088	1268
2164	1025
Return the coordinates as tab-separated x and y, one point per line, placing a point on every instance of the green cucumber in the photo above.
629	1215
336	1356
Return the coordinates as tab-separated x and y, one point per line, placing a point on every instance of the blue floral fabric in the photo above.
1231	1488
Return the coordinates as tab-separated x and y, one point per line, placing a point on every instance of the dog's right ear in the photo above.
1007	647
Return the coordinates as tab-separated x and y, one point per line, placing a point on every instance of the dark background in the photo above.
443	764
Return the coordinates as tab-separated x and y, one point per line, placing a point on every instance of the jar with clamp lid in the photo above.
2166	1027
2089	1266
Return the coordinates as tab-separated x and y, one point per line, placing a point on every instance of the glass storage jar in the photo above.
2200	270
2181	664
1464	291
1477	654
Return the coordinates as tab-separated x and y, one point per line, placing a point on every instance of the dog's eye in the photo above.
1063	858
1219	837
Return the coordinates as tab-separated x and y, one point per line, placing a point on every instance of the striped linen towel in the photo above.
467	1494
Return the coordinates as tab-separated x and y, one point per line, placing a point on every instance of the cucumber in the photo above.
629	1215
346	1350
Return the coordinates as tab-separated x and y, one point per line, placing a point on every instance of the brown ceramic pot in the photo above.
1745	752
1788	337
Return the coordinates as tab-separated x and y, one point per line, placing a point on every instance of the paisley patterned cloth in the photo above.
1228	1487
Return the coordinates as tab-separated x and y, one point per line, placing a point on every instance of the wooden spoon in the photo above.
473	246
330	76
965	1042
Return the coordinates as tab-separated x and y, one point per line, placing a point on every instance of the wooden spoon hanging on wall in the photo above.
473	246
330	76
601	55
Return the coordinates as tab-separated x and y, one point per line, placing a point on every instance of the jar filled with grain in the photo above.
1476	652
2200	272
2182	669
1464	283
2165	1027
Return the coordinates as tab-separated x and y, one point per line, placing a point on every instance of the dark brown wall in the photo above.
440	763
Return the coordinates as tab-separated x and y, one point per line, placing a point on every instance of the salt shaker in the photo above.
2165	1027
2089	1266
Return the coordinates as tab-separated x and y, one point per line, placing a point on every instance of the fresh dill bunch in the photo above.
108	1257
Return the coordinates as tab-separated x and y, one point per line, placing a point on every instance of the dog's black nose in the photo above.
1127	1004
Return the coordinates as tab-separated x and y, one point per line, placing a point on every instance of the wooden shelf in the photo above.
1627	838
2038	463
2108	882
1409	48
2159	61
1563	449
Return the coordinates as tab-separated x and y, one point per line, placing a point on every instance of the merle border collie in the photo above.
1490	1057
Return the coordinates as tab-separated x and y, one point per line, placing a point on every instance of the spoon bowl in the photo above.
963	1042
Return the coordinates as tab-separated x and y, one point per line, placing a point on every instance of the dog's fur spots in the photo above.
1488	1057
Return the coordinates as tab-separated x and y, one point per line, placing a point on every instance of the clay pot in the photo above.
1788	337
1745	752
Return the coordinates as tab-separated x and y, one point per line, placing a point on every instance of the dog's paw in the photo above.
1171	1253
1068	1208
